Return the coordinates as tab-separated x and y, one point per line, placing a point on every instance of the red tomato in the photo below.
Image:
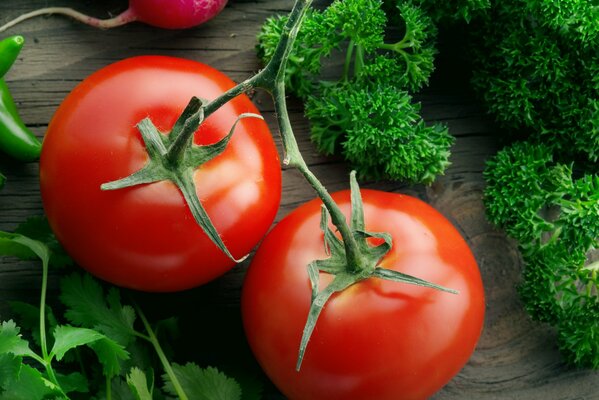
377	339
145	237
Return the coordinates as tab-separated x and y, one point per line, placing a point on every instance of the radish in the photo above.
169	14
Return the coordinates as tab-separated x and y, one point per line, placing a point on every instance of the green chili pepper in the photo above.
15	139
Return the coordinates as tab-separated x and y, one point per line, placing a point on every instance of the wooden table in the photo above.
515	358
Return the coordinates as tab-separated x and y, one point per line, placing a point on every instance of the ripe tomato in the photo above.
377	339
145	237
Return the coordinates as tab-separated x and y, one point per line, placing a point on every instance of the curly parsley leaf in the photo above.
203	384
536	66
453	10
367	114
554	215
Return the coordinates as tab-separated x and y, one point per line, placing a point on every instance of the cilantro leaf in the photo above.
88	306
31	385
138	383
29	318
16	245
110	354
38	228
11	341
73	382
203	384
34	238
69	337
10	367
108	351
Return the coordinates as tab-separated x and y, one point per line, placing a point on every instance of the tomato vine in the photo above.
168	162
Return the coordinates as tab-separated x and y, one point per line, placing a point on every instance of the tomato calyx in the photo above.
175	158
348	271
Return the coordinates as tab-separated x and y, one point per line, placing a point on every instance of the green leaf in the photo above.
136	379
203	384
29	318
31	385
88	306
38	228
11	245
110	354
11	340
10	367
73	382
69	337
34	238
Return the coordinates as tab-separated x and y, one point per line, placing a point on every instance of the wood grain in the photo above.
515	358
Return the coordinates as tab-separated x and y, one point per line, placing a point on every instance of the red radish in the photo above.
169	14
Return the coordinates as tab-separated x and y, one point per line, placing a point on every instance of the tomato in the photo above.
145	237
377	339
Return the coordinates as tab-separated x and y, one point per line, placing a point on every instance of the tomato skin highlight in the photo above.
378	339
145	237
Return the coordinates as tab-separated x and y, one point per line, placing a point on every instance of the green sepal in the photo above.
397	276
348	272
175	158
339	284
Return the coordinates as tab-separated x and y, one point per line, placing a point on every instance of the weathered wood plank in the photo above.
515	357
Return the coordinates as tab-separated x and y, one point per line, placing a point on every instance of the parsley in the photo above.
555	217
367	114
536	65
58	361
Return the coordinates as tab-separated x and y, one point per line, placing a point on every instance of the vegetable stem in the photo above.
46	360
359	61
108	388
272	79
348	57
163	359
293	156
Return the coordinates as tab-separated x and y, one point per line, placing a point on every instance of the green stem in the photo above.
272	79
348	57
108	388
243	87
359	61
397	47
293	157
43	338
185	136
163	359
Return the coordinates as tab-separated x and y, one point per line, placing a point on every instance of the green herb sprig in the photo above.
536	65
367	114
555	218
99	348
